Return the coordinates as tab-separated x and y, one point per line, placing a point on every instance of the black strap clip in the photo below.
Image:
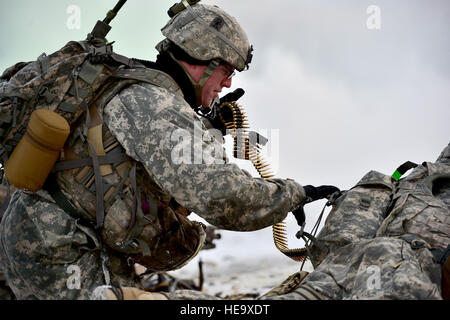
44	92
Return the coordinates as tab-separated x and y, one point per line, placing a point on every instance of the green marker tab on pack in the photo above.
397	175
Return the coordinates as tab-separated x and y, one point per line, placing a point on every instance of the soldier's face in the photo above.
220	78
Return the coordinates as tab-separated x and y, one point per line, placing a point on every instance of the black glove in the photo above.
321	192
299	215
312	194
232	96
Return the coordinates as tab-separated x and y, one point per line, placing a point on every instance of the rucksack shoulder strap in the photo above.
126	77
152	76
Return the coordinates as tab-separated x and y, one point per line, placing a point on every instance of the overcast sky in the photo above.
343	99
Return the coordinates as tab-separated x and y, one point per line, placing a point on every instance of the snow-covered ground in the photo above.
243	263
231	275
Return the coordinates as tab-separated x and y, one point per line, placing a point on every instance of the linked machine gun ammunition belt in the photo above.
235	120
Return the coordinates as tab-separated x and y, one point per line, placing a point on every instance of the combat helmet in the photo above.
207	34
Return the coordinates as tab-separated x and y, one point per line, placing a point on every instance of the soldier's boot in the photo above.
125	293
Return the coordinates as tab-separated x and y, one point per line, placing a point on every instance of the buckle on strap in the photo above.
415	241
44	92
103	50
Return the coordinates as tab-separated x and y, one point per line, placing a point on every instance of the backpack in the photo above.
356	214
413	208
73	82
67	81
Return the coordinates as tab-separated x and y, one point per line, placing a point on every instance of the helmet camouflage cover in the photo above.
206	33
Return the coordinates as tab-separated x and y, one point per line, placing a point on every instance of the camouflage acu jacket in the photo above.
160	130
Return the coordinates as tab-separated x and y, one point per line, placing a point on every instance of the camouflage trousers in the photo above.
47	254
379	268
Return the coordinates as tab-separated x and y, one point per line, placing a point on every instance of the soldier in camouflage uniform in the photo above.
375	248
48	253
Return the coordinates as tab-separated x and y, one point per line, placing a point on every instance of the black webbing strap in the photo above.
137	222
441	256
83	103
135	195
403	168
123	60
110	158
99	207
53	188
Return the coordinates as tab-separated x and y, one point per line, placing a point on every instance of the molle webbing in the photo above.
108	159
77	81
100	211
89	173
86	174
104	150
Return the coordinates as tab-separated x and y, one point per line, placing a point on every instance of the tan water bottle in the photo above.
35	155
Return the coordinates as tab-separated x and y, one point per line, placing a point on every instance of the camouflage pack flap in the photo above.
59	82
9	72
376	179
46	80
357	214
420	206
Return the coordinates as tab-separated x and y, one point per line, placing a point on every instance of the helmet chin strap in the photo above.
198	85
